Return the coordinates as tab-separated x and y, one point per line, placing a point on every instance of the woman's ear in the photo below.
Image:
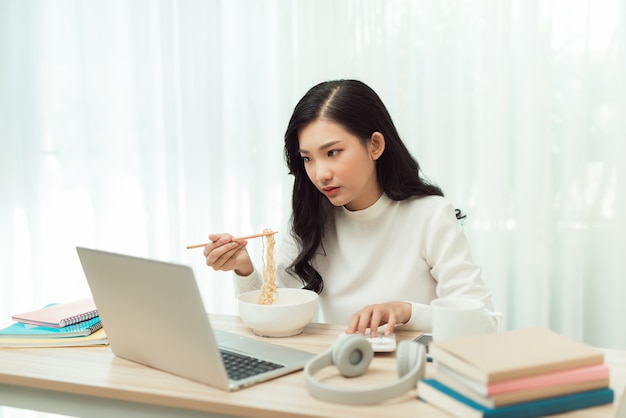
376	145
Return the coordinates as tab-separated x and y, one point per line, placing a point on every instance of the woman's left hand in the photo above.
373	316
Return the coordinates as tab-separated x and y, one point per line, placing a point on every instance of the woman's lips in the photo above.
330	191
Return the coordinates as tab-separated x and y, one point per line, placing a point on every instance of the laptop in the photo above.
154	315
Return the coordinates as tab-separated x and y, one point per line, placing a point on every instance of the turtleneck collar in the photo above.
373	211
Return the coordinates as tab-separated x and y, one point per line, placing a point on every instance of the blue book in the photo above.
80	329
452	402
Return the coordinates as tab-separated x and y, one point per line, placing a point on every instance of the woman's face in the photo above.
339	165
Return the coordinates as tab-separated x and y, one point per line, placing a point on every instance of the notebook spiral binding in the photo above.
79	318
93	325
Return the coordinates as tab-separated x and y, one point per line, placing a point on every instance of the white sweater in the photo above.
413	250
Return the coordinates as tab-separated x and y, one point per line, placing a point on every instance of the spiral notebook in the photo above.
59	315
22	330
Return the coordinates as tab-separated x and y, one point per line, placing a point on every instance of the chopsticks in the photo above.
262	234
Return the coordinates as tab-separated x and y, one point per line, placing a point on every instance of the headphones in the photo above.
352	355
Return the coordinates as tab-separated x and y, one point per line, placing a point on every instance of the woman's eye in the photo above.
305	158
333	153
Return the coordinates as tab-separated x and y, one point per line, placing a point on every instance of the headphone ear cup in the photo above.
408	355
352	355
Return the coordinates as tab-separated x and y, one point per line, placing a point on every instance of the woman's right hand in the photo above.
224	254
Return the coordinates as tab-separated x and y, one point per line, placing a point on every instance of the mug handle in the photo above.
499	317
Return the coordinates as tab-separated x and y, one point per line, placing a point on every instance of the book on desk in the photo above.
525	373
59	315
22	330
460	406
97	338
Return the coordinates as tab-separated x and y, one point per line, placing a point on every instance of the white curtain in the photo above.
140	126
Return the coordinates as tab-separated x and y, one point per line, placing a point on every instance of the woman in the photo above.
368	233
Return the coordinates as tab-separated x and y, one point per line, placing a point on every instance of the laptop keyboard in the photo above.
239	366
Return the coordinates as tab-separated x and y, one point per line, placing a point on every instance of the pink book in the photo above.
578	375
569	376
59	315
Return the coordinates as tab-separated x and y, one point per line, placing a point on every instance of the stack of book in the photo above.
529	372
67	324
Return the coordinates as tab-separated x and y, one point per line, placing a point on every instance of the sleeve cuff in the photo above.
420	318
247	283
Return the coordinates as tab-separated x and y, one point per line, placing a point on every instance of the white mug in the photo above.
460	317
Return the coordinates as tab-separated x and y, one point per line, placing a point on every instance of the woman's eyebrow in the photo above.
321	147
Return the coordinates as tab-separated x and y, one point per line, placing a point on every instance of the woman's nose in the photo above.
323	172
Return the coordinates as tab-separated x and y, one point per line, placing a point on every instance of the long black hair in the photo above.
360	111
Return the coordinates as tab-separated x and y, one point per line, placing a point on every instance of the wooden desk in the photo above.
92	382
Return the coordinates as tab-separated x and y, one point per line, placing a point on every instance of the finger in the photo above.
391	323
219	255
228	259
364	321
217	240
221	236
375	322
353	325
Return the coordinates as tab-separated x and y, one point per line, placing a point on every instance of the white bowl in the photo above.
288	315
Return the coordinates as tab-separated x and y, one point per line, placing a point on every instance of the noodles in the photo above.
268	291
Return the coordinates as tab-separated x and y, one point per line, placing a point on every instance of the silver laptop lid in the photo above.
153	314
